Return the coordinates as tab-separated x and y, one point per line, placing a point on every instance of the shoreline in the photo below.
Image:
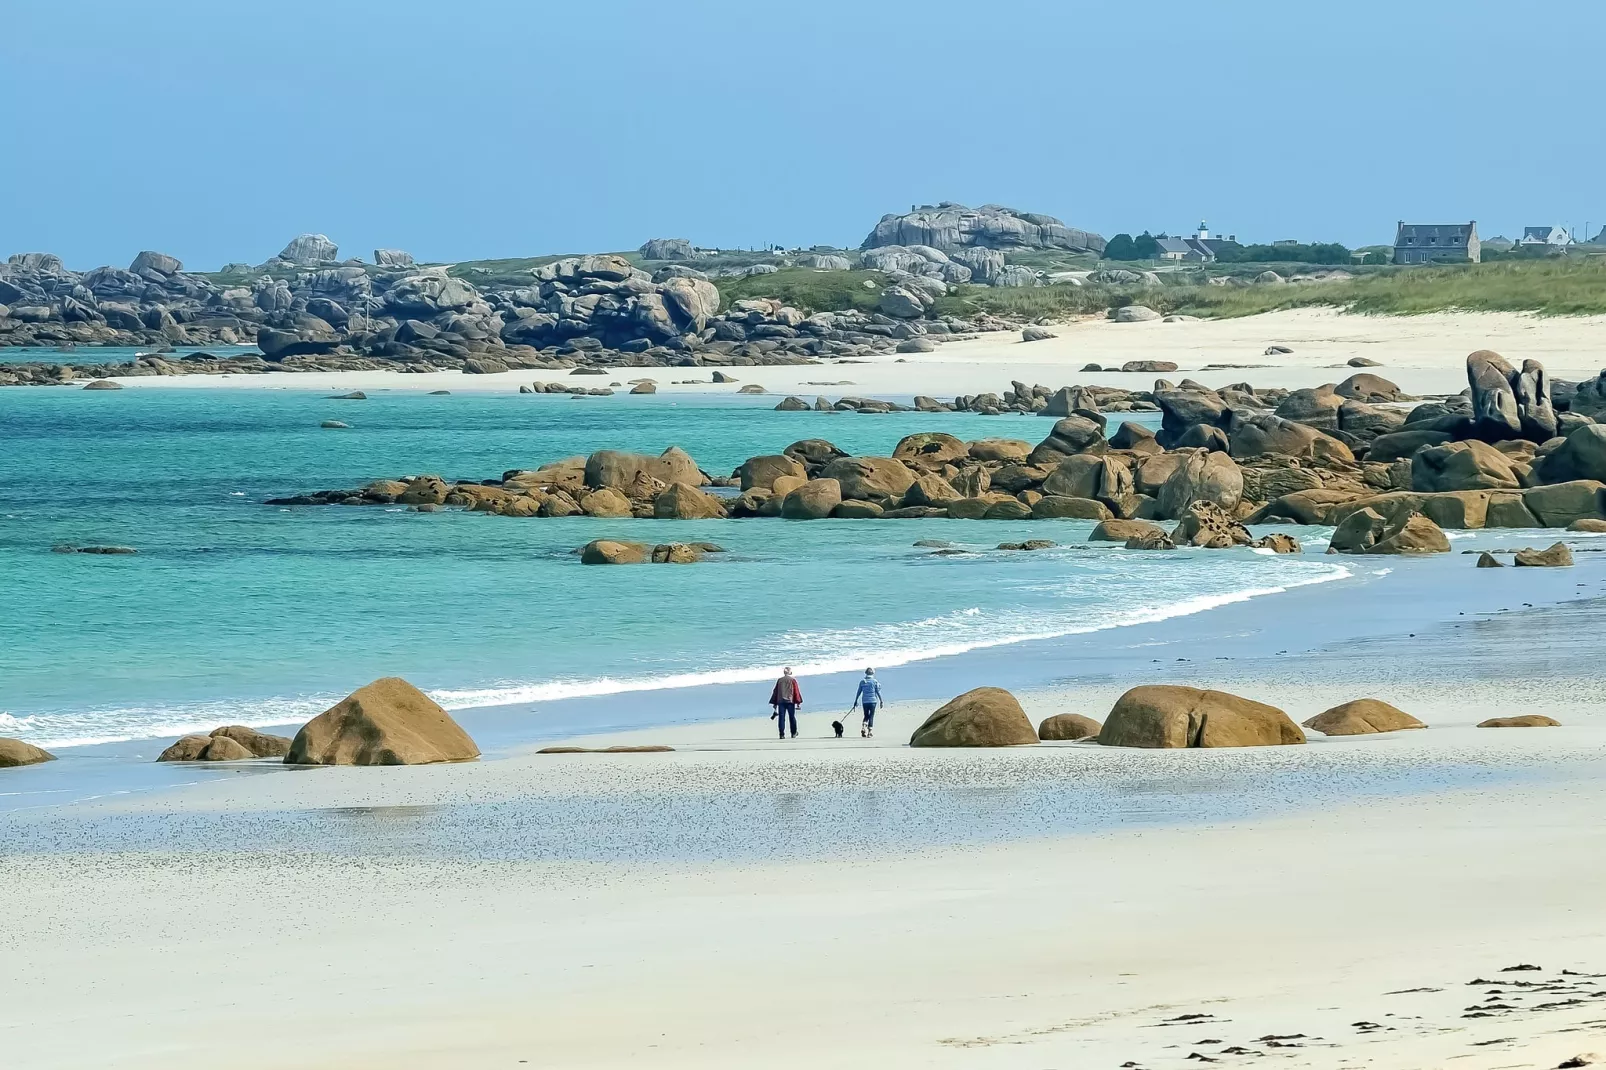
1253	638
1423	354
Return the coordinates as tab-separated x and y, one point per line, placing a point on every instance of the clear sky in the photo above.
217	130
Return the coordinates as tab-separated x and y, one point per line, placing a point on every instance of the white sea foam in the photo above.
885	646
857	648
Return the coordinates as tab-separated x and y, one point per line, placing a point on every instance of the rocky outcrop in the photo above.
1507	403
14	753
387	722
1366	532
983	717
1362	716
613	552
952	227
1068	726
679	249
309	250
1167	716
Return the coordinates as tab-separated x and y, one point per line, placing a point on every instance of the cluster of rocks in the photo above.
1344	455
305	313
952	227
387	722
231	743
1156	716
617	552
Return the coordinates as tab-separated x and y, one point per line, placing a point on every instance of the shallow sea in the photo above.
235	611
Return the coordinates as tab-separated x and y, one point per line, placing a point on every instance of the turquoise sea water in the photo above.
234	611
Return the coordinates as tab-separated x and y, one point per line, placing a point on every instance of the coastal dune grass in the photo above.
1560	287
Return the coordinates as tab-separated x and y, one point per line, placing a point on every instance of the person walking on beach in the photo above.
867	699
786	698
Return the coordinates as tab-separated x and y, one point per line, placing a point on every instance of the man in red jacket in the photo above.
786	698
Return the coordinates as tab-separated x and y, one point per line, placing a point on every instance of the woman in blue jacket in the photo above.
867	699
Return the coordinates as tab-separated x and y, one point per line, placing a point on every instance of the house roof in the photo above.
1420	231
1173	245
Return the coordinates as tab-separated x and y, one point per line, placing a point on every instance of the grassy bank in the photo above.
1570	287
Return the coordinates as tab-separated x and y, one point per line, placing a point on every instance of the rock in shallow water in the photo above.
14	753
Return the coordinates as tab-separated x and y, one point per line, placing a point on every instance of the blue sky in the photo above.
218	130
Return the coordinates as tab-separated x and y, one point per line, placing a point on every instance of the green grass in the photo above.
1572	286
1560	287
810	290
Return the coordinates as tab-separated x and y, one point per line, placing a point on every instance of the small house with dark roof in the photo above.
1545	236
1198	247
1428	243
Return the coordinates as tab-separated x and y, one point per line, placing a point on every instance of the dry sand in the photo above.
233	946
1422	354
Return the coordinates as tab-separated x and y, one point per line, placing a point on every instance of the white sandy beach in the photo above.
1081	949
1422	354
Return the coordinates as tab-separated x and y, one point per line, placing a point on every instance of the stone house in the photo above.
1427	243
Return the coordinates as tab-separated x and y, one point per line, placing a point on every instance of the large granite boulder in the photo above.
929	449
1507	403
620	469
1259	435
209	749
613	552
814	500
680	249
310	250
762	471
1470	465
1208	525
951	227
1185	406
1366	386
14	753
1362	716
681	501
160	263
1315	406
983	717
1557	556
1582	455
1166	716
1070	436
1201	475
1068	726
1365	531
387	722
869	478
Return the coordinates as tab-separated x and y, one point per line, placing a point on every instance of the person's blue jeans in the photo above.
869	715
785	712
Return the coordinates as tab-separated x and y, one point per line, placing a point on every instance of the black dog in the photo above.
836	726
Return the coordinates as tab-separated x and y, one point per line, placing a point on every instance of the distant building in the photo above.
1197	248
1427	243
1545	236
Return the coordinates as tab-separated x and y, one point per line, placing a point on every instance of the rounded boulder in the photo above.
1362	716
1170	716
387	722
1063	726
983	717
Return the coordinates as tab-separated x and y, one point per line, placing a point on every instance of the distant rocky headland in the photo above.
306	309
